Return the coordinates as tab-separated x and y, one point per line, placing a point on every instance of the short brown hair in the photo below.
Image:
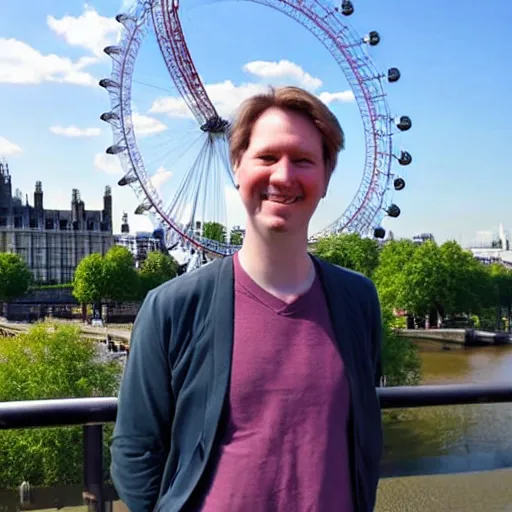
287	98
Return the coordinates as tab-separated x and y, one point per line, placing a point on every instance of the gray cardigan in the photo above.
174	387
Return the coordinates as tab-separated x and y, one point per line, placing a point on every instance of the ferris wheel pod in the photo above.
115	149
109	116
108	83
393	211
393	75
405	158
127	180
399	184
373	38
379	232
404	124
124	18
347	8
142	208
113	50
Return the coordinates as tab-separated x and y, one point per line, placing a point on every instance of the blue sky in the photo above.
455	64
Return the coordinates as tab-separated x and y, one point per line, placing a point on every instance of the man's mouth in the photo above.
280	198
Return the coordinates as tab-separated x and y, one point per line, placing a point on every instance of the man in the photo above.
250	384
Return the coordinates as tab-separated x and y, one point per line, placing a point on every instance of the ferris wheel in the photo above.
198	196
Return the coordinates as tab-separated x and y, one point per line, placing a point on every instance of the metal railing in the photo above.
93	413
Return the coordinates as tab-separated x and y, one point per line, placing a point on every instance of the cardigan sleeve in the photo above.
141	439
376	334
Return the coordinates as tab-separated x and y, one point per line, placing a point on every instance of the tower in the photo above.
38	196
125	227
107	210
77	211
5	195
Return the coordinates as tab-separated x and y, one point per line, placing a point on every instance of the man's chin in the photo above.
279	225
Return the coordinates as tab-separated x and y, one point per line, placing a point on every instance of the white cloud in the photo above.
146	125
283	70
8	148
173	107
89	30
337	97
107	163
226	96
160	177
22	64
74	131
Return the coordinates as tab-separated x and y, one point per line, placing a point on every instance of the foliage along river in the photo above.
452	438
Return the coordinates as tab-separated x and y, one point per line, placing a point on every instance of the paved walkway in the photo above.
120	334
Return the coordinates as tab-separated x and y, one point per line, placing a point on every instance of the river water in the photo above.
452	438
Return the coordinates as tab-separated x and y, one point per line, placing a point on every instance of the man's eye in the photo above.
267	158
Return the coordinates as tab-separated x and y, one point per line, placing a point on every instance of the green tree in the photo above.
214	231
15	276
501	278
400	358
121	278
468	286
235	237
350	251
89	284
49	362
423	281
156	269
389	276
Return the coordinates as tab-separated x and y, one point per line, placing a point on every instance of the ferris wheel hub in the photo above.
215	125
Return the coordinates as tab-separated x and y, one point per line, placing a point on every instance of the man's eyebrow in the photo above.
273	148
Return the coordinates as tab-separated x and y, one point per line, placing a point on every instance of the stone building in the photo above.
52	242
139	244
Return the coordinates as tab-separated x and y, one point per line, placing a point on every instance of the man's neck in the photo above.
281	266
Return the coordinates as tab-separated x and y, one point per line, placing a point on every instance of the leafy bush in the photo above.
400	358
15	276
49	361
42	286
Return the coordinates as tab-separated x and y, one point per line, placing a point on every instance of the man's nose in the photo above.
282	171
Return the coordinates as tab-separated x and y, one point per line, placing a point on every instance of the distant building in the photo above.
496	250
423	237
139	244
52	242
237	230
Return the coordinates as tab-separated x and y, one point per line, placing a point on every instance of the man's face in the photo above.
282	173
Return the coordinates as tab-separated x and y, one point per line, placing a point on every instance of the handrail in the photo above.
94	411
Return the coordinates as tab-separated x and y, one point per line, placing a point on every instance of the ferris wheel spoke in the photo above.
199	198
168	154
179	63
184	203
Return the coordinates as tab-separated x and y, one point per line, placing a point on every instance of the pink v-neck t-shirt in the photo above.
284	447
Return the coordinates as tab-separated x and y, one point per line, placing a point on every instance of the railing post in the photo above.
93	468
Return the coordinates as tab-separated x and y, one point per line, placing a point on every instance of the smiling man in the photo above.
251	382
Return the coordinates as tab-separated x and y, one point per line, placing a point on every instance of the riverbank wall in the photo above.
463	337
